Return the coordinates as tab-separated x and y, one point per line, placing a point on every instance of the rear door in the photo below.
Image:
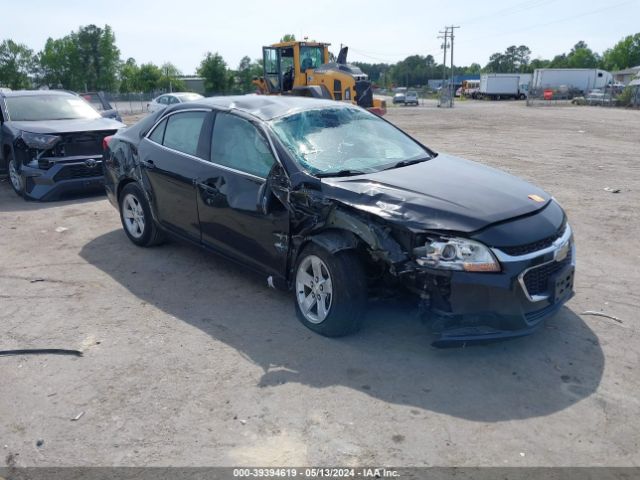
231	219
171	158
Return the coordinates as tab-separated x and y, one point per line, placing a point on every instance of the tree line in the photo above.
88	59
418	69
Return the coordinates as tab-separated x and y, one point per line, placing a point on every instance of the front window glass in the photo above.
341	140
183	131
49	107
237	144
310	57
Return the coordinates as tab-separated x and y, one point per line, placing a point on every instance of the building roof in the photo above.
628	71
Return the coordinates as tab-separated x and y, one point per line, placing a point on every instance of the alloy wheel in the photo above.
314	289
16	179
133	215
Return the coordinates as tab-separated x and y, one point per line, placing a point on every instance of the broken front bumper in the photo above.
471	307
65	175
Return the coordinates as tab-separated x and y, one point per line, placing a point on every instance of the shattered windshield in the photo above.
343	140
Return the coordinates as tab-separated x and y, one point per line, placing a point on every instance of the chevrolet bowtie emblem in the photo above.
536	198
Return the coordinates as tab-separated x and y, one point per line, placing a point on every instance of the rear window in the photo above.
183	131
49	107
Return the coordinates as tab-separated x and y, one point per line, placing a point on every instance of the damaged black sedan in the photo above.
51	143
334	202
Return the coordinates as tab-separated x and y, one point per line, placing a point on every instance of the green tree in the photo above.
537	63
129	76
624	54
289	37
17	63
149	77
247	71
581	56
54	63
559	61
86	58
95	58
213	69
514	59
170	80
472	69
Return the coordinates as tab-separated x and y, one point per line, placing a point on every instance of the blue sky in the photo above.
376	31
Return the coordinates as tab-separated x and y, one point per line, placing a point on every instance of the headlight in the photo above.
456	254
39	141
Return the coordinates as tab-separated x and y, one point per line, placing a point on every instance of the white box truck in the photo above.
497	86
576	80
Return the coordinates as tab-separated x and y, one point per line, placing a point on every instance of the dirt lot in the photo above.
189	360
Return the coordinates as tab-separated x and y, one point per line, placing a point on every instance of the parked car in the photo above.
398	98
51	143
598	96
333	202
99	101
411	98
163	101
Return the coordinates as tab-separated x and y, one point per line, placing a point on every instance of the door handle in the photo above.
149	164
206	187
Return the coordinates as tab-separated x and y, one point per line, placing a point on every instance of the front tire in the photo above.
136	218
15	177
330	291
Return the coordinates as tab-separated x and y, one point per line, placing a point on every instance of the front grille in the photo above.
78	170
537	279
535	246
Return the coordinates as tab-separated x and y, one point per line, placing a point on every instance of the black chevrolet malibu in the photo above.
333	202
51	143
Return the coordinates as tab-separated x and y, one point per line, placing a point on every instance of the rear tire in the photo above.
330	291
136	218
15	176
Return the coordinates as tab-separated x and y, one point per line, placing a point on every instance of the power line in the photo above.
553	22
518	8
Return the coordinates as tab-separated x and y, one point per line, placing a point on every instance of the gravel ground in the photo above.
191	360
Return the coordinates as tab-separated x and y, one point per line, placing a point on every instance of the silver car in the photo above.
163	101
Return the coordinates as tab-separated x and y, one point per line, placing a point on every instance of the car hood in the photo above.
66	126
444	193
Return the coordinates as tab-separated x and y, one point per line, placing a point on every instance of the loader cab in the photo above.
286	64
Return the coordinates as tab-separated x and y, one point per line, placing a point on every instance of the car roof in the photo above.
34	93
264	107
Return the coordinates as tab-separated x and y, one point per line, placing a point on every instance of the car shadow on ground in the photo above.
390	359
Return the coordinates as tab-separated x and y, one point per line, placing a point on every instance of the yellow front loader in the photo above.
304	69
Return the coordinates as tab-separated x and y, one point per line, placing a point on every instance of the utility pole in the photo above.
452	86
445	37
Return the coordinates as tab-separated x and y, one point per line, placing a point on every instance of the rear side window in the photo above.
182	132
238	144
158	133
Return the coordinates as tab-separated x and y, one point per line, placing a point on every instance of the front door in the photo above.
231	217
272	69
